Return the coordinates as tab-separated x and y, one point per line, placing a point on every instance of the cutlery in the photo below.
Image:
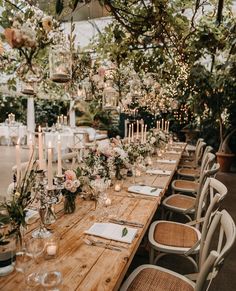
101	244
125	222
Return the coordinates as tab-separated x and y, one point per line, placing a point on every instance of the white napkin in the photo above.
158	172
112	231
178	143
172	152
145	190
31	215
167	161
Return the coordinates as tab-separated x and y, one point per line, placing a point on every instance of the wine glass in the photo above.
51	278
34	248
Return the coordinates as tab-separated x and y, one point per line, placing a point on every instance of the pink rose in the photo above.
70	175
68	185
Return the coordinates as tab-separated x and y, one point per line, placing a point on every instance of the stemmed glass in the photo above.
34	248
100	187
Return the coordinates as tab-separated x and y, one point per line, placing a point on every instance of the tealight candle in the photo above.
52	249
108	202
137	173
117	187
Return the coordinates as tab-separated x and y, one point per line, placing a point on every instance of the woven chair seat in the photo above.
180	202
185	186
175	234
187	164
157	280
188	172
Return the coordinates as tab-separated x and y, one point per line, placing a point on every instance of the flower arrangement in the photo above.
119	158
156	138
96	164
30	31
72	187
13	211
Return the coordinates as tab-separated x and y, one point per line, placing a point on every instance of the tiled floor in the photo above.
226	279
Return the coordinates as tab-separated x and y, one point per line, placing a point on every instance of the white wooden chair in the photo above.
155	278
194	173
169	237
69	160
184	204
193	162
191	187
191	149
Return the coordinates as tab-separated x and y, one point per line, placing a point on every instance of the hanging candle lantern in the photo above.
60	63
110	97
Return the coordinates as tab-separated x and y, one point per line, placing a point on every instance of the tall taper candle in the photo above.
18	162
129	134
145	133
59	167
137	133
31	153
40	143
50	176
132	135
142	129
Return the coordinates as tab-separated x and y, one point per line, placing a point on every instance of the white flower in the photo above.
152	140
76	183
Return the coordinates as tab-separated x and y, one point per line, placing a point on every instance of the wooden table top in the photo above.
86	267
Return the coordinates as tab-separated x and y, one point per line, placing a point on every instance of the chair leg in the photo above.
151	255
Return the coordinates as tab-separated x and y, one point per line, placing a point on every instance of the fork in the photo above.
101	244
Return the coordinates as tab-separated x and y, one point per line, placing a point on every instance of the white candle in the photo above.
168	125
18	161
117	187
51	250
40	144
50	176
59	167
31	153
142	129
145	132
129	135
132	135
137	133
65	120
165	126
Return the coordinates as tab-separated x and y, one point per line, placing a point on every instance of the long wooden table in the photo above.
86	267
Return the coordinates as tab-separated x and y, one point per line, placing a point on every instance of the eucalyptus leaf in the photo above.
124	231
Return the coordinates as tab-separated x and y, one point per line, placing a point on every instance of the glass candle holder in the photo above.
51	246
60	63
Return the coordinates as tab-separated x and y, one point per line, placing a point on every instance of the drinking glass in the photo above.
34	248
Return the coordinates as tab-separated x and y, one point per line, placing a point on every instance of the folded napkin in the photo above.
177	147
158	172
145	190
172	152
178	143
112	231
167	161
31	215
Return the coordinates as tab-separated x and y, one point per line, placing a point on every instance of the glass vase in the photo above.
118	174
7	253
69	204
